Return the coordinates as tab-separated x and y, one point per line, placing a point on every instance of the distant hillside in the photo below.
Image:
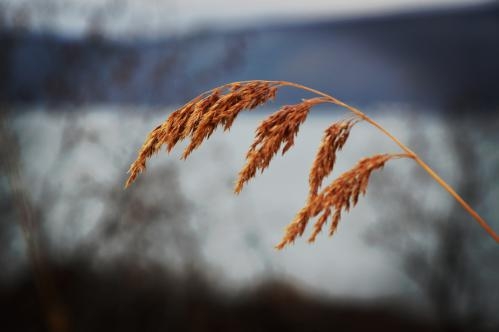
444	58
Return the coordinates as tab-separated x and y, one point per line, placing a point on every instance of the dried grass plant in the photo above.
199	118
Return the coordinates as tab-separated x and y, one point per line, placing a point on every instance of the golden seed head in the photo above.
333	140
200	117
341	194
278	129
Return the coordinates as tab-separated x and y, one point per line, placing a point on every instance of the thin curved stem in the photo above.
409	152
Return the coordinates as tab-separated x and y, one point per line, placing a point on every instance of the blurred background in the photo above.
83	82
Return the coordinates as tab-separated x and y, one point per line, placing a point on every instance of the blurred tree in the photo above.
447	256
143	227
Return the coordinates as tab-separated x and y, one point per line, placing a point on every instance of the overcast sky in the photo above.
175	16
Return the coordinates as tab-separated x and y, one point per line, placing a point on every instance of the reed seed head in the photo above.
342	194
278	129
200	117
333	140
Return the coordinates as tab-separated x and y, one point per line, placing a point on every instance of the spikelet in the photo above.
194	118
279	128
150	147
341	194
225	110
333	140
200	117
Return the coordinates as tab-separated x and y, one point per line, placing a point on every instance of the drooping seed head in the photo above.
333	140
278	129
200	117
341	194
